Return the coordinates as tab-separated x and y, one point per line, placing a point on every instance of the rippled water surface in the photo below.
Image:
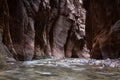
68	69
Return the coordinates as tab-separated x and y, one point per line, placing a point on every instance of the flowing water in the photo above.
58	69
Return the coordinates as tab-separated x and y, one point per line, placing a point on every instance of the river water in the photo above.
59	69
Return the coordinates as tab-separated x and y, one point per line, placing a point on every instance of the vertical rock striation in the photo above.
22	19
102	28
43	28
60	28
3	18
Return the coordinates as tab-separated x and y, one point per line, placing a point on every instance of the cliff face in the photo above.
3	50
102	28
22	18
59	27
34	29
45	28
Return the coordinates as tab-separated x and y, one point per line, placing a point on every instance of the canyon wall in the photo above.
46	28
103	28
35	29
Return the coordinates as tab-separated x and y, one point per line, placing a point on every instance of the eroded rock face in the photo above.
3	49
102	28
55	28
45	28
22	14
60	28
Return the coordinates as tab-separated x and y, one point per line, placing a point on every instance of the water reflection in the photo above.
57	69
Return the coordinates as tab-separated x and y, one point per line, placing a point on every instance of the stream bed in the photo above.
61	69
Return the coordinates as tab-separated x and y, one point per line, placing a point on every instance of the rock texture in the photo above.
59	28
103	28
3	49
44	28
22	19
34	29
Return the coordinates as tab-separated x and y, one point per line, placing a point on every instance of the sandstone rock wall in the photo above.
55	28
60	28
46	28
102	34
3	49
